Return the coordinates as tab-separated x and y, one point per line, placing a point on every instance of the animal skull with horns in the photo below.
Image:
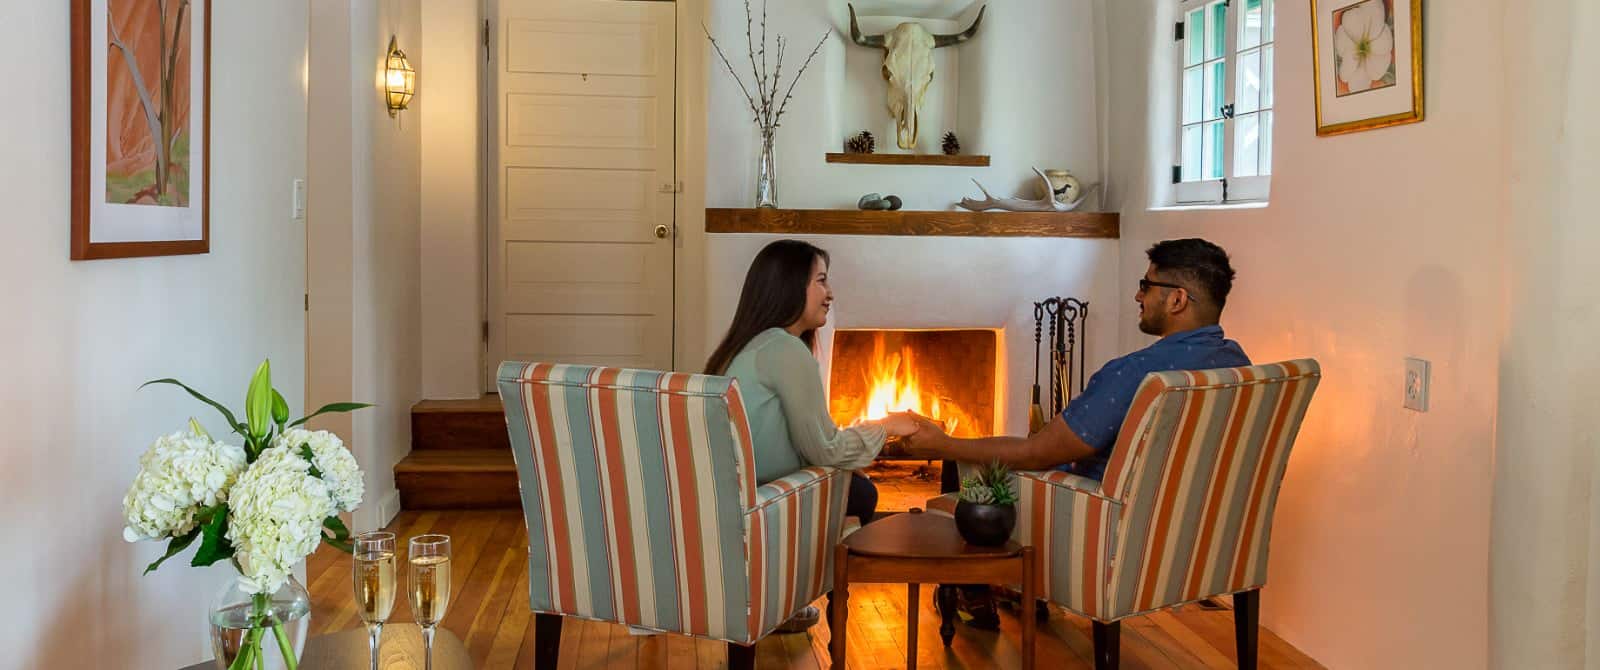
908	65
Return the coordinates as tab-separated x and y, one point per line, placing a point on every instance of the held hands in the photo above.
921	434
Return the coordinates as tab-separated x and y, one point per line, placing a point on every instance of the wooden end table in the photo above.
916	548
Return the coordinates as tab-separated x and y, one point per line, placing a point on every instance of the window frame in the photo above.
1229	188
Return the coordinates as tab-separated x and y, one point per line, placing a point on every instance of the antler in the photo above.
1046	204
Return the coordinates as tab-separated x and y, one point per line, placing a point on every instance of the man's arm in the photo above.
1053	446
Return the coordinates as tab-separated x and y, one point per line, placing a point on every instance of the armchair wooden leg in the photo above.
741	657
546	640
1246	625
1107	645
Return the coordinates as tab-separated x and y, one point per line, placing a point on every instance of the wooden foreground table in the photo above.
401	650
915	549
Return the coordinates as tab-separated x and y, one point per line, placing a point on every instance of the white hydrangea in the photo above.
337	465
277	509
179	475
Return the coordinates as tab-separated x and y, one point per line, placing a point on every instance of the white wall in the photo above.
452	241
368	170
1027	79
1376	246
80	337
1546	543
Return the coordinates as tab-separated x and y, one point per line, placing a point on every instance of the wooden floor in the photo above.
490	615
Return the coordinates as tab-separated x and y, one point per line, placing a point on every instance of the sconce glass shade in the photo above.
399	79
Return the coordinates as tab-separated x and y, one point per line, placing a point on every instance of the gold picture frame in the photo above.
1355	89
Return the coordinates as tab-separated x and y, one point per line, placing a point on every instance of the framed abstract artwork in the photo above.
141	120
1366	63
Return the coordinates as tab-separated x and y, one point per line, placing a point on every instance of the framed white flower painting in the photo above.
1367	63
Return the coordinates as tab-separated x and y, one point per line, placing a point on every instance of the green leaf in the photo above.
232	422
280	409
175	547
306	453
331	408
215	545
258	400
340	539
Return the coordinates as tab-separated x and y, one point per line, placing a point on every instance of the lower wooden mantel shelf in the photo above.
1105	225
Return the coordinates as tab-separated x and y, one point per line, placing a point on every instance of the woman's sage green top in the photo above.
788	410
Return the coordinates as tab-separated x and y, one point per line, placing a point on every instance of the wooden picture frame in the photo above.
1366	61
141	70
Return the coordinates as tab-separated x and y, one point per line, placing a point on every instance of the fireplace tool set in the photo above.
1068	321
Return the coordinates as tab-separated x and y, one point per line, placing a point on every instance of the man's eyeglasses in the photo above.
1145	284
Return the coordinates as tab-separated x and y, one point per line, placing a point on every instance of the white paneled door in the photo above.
581	267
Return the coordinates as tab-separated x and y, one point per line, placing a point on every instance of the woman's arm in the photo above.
788	368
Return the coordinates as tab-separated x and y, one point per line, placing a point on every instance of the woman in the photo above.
769	348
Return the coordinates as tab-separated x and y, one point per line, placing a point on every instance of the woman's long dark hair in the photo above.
774	296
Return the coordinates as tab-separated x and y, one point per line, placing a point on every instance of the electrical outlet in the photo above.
299	206
1416	393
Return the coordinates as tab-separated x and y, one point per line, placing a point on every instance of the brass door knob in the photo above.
662	231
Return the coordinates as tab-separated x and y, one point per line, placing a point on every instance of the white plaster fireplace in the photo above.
915	283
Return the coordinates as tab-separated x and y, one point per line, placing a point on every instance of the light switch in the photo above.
299	211
1416	394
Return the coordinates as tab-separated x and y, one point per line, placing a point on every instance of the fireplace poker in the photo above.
1036	412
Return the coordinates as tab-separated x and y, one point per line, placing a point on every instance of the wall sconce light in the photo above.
399	79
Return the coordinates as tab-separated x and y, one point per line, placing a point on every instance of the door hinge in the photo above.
671	187
1224	190
1177	174
487	54
1177	32
308	302
486	330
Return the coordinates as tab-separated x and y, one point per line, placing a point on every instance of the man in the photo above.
1180	298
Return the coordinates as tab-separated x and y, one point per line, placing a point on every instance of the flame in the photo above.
893	387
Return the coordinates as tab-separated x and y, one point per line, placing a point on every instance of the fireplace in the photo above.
947	375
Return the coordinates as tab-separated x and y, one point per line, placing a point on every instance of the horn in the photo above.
874	41
958	38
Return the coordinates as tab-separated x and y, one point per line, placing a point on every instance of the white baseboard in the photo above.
376	516
389	508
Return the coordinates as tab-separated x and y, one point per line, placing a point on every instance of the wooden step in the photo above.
459	424
457	479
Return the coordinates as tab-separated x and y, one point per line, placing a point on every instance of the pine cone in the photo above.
951	145
860	144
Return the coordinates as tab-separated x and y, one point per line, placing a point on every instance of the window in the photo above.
1224	54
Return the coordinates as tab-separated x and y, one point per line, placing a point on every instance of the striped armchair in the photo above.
638	490
1184	511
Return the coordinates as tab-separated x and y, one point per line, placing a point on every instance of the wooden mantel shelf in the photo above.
959	160
1104	225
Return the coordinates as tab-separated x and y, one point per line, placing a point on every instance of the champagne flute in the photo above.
374	583
430	585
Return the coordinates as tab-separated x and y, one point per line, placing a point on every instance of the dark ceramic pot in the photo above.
985	525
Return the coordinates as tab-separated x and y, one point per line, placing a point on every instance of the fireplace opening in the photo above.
946	375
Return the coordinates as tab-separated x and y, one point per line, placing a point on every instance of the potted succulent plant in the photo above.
987	511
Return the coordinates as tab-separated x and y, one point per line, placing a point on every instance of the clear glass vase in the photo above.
767	171
251	632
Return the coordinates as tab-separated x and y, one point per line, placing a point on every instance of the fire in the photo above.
892	386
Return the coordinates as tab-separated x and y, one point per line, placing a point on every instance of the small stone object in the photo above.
875	201
951	145
862	143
